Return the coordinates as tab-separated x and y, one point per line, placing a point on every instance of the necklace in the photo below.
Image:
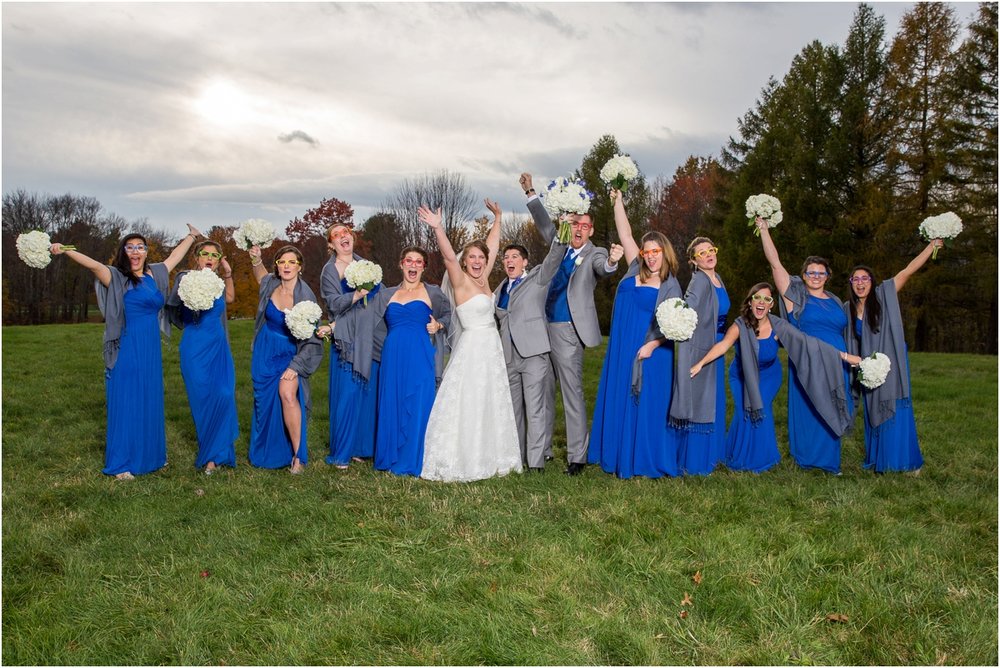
415	287
481	282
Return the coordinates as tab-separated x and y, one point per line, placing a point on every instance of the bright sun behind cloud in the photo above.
224	103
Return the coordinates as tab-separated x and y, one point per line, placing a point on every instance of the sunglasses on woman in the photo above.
408	262
763	298
282	263
651	252
708	251
135	248
210	254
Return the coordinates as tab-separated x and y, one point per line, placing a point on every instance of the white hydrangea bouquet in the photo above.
363	274
619	171
303	318
766	207
946	227
565	196
199	289
254	232
33	249
874	370
676	319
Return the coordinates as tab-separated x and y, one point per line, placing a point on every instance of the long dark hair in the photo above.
747	311
872	314
669	264
122	263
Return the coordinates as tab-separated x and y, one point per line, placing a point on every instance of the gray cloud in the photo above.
298	135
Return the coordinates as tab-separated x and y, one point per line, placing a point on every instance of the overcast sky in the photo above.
214	113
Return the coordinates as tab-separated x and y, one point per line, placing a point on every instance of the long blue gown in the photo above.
210	380
406	389
352	401
136	440
893	445
751	447
810	440
701	451
628	436
273	350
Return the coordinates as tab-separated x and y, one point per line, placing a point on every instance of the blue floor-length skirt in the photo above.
136	440
352	411
619	416
810	441
210	380
893	445
749	446
273	350
406	389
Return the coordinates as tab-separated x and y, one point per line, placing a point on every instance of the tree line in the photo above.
860	141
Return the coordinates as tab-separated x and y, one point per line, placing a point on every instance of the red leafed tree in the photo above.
317	221
687	200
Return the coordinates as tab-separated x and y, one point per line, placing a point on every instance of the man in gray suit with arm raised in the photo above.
571	315
520	311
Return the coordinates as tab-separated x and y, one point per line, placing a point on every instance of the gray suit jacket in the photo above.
523	321
580	293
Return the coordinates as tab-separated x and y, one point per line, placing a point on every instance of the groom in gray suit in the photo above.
520	311
571	315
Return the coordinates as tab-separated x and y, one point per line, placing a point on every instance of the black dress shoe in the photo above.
548	458
574	469
536	469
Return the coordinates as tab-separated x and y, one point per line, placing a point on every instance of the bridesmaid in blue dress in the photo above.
409	316
131	294
819	313
207	364
628	433
698	412
353	374
751	444
280	366
890	428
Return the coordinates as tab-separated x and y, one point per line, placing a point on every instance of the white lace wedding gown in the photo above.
471	434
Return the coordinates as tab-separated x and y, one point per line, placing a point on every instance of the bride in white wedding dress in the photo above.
471	433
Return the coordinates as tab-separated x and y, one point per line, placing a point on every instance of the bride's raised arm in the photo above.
451	265
493	238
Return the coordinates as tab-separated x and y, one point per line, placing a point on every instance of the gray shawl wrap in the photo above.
308	353
798	293
175	306
440	308
354	332
880	403
753	403
820	371
111	302
693	403
668	288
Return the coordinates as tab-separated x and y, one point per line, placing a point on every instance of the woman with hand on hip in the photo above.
353	374
131	294
628	434
698	407
207	363
281	365
817	312
877	326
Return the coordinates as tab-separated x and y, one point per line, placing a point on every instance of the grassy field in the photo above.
343	567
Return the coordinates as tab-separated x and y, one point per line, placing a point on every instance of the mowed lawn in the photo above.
344	567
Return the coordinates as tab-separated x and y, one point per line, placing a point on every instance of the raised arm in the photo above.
257	264
433	220
227	276
718	350
538	213
493	238
100	271
778	272
916	263
623	228
182	248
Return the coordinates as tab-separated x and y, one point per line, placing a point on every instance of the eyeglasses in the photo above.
135	248
652	252
410	262
763	298
708	251
340	235
205	253
576	224
282	263
861	280
817	274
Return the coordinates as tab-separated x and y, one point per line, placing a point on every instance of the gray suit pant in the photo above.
530	383
567	359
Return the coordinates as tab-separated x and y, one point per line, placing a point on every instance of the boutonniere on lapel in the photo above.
579	260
